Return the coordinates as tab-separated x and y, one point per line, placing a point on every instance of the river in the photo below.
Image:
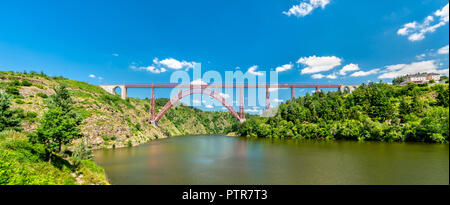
219	159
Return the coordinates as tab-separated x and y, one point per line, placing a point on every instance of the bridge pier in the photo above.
152	105
110	89
350	88
267	98
241	107
292	93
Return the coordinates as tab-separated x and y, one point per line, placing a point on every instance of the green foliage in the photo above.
8	117
13	90
398	80
80	153
42	95
61	99
19	101
116	101
372	112
60	123
92	173
56	128
25	83
20	163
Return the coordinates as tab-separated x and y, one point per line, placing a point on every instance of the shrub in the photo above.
26	83
80	153
8	117
42	95
13	90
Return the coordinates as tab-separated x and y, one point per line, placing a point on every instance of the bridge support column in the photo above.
241	107
123	94
267	98
317	89
341	89
292	93
152	105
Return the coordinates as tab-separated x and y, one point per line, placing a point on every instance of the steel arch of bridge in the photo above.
183	93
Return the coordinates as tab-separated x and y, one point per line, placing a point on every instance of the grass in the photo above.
21	164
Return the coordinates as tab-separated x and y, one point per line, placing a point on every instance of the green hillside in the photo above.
373	112
106	121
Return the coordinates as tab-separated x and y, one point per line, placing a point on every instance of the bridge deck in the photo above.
231	86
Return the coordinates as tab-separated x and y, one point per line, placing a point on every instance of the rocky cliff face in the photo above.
109	121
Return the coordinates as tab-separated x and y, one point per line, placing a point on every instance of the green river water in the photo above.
219	159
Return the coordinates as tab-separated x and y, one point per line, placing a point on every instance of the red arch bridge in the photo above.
212	91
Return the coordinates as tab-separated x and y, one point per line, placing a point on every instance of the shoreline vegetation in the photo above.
373	112
50	125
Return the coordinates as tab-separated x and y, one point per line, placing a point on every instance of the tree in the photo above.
61	98
56	129
8	119
59	125
398	80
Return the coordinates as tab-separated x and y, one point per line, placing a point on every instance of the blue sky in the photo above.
134	41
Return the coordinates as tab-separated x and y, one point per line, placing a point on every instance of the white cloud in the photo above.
224	95
209	106
317	76
393	71
364	73
443	50
331	76
199	82
196	101
416	31
277	100
100	78
252	70
115	54
318	64
172	63
92	76
276	89
421	56
348	68
162	66
151	68
284	67
253	110
320	76
443	71
306	7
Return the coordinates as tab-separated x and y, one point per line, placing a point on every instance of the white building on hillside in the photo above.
422	78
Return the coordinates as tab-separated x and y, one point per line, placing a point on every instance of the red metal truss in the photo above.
184	93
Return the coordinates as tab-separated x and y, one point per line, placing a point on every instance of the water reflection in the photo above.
218	159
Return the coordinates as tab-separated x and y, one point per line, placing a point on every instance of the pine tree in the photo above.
60	123
8	119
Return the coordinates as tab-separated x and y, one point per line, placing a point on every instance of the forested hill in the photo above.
108	120
375	112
